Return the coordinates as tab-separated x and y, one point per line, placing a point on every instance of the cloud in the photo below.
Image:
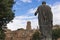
55	10
32	10
25	17
21	21
28	1
56	13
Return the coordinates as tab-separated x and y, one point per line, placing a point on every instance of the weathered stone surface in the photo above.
20	34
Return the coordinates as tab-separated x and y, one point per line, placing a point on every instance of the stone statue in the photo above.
45	19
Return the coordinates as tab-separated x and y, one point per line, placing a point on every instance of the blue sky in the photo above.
22	7
25	10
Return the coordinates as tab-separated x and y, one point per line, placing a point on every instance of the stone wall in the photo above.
19	35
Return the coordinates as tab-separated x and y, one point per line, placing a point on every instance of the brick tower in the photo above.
28	27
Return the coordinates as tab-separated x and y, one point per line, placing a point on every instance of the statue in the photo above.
45	19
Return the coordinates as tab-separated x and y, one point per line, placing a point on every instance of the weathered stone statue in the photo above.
45	19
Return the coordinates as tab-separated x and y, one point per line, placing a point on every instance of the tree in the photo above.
6	9
6	14
56	33
36	36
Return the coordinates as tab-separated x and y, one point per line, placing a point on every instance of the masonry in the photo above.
20	34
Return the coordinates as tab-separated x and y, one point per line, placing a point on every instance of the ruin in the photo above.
20	34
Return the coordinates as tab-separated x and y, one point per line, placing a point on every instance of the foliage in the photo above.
56	33
6	9
36	36
6	15
2	35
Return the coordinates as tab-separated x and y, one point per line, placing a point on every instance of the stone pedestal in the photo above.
46	39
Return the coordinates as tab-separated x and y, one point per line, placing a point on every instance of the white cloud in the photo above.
32	10
29	1
25	17
56	13
20	21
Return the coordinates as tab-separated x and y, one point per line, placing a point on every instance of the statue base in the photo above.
46	39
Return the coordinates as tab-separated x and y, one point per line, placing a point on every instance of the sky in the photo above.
25	9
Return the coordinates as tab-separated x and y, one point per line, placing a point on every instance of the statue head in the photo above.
43	2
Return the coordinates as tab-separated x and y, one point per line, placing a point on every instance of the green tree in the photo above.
36	36
6	15
56	33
